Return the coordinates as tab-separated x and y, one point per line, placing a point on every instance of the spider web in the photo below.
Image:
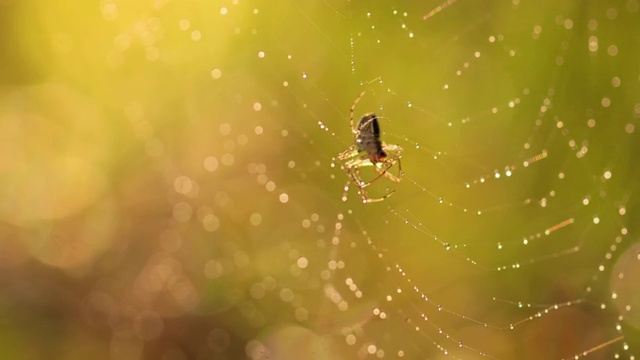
507	234
511	235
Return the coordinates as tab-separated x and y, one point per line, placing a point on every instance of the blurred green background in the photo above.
169	188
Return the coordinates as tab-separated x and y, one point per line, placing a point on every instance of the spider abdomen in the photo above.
368	138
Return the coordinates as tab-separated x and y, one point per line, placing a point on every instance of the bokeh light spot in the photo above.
255	219
211	163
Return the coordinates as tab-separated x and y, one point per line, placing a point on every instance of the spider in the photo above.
369	150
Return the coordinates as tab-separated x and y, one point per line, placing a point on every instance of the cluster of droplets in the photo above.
511	104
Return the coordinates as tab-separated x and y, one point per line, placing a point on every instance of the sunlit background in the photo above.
169	187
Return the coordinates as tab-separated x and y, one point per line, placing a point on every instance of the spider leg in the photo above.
354	174
395	154
350	152
388	174
367	200
351	111
381	173
385	172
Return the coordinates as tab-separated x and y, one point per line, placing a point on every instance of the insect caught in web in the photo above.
369	150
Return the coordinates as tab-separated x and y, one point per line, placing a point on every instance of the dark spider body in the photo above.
368	139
